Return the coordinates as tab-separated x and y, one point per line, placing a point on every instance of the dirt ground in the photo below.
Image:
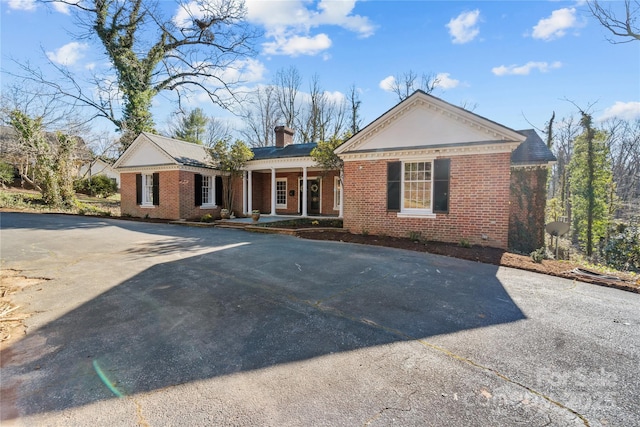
11	315
487	255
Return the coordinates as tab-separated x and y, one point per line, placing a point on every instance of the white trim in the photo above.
429	102
279	205
147	199
212	192
415	215
337	188
421	153
164	168
416	212
287	162
303	180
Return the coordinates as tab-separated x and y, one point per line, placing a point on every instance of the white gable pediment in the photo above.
143	152
422	121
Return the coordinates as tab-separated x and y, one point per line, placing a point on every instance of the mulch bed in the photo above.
486	255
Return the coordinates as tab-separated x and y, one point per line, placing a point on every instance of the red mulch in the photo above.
480	254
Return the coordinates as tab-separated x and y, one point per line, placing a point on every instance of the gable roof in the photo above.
533	151
425	121
166	151
291	150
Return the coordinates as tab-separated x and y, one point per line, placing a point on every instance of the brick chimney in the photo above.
284	136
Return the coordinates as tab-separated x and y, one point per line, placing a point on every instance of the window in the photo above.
281	193
204	191
336	193
148	189
207	190
416	186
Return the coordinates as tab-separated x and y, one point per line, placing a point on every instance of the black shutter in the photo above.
156	189
441	185
138	189
218	191
394	180
198	189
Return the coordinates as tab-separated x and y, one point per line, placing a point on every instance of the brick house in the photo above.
165	178
437	170
425	166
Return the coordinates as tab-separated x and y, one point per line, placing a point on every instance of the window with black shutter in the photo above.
441	185
138	189
197	191
394	180
156	189
218	190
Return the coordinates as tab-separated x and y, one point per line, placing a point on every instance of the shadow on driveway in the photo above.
245	306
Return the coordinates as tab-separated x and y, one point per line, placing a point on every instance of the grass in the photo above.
27	200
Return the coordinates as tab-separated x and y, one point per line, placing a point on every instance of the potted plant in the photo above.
224	213
255	215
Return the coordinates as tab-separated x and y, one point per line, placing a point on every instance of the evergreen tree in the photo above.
591	182
192	127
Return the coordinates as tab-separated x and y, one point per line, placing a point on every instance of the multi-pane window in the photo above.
207	187
281	193
336	193
417	186
147	189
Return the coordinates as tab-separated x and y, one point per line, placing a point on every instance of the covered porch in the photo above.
291	187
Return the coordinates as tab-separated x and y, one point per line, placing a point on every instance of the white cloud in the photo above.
523	70
62	7
556	25
464	27
186	13
622	110
446	82
297	45
28	5
290	24
387	83
68	54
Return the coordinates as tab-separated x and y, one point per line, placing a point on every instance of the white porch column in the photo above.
244	192
304	191
273	191
341	214
249	192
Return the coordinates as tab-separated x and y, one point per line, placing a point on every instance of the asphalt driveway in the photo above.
154	324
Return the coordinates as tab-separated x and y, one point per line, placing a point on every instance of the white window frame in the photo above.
415	212
279	193
210	192
147	190
337	188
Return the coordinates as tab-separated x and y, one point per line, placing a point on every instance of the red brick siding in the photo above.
478	202
177	200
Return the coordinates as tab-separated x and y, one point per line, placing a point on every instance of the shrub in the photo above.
539	255
464	243
6	173
206	218
99	185
415	236
622	251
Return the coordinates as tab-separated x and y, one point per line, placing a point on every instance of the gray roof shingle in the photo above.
185	153
291	150
532	151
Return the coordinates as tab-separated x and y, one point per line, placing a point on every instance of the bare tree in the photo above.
322	118
261	114
355	121
620	24
287	83
151	53
404	85
217	130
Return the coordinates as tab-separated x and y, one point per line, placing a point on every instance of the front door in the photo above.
313	196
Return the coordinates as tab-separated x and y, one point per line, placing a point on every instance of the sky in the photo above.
513	62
